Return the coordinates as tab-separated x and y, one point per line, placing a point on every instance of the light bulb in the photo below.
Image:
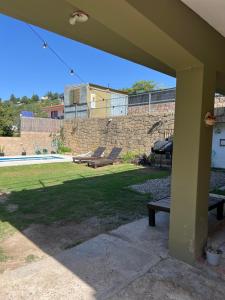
71	72
45	45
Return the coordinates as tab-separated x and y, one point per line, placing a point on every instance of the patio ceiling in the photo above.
211	11
54	16
139	31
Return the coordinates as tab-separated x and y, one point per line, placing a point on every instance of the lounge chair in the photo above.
109	160
96	155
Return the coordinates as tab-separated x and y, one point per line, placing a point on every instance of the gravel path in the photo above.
160	188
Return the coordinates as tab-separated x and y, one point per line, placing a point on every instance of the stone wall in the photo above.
28	141
132	133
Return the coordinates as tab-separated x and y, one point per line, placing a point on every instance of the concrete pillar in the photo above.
191	163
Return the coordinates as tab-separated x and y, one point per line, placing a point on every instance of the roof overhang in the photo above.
164	35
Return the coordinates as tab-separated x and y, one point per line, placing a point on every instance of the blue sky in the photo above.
27	68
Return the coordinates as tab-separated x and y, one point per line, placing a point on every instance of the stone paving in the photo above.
160	188
131	262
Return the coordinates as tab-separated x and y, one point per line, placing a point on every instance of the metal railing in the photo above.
154	101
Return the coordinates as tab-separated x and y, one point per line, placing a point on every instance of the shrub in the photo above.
129	156
45	151
63	149
38	152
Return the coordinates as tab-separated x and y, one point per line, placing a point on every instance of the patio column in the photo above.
191	163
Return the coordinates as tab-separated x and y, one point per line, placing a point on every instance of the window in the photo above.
93	101
222	142
54	114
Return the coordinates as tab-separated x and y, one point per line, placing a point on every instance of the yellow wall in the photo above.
102	107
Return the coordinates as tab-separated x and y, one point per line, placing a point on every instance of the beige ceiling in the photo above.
212	11
165	35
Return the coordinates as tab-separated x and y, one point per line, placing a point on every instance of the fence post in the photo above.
149	102
126	105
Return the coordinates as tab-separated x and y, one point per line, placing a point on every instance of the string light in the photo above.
46	45
71	70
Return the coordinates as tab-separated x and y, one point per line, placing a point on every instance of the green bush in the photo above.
129	156
45	151
63	149
38	152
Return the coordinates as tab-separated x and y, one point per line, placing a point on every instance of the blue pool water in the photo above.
27	158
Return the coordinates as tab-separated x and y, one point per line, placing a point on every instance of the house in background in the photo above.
55	111
91	100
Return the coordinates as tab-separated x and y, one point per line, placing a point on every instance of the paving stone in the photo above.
91	270
131	262
172	279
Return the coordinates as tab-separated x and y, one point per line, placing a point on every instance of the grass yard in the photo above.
65	193
51	192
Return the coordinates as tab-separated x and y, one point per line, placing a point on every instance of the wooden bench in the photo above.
215	201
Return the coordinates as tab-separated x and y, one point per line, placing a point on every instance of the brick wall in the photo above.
132	133
28	141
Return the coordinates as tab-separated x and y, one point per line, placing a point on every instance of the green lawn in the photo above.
65	191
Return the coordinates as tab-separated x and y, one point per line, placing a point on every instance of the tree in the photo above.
52	96
35	98
13	98
7	119
142	86
24	100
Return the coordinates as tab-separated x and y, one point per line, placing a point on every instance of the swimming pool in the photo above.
26	158
32	159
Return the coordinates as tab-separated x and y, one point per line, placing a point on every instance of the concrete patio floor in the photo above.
131	262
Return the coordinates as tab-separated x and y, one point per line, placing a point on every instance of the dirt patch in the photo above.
39	241
3	197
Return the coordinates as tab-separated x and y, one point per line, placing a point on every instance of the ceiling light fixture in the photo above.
78	16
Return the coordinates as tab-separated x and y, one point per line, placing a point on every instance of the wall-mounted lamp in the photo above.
78	16
210	119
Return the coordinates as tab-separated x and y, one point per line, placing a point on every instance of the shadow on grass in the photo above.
79	199
104	197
